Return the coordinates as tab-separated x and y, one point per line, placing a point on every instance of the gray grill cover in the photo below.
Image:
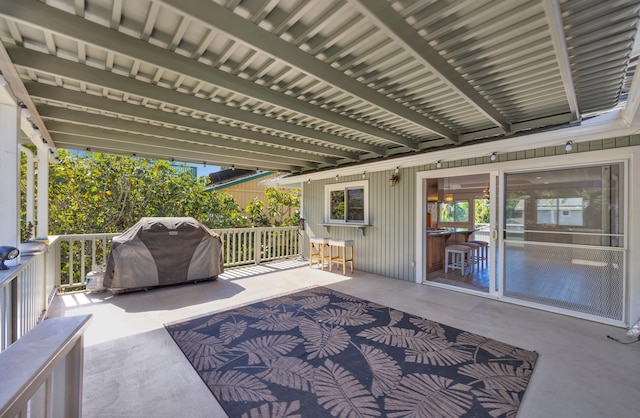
163	251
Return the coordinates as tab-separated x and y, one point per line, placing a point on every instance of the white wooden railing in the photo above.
41	373
78	255
25	294
240	246
27	290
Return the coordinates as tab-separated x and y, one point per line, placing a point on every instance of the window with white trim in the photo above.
347	203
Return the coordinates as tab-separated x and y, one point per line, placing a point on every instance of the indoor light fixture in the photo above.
494	156
448	197
486	193
7	253
569	146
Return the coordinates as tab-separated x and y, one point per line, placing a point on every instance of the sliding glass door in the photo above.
563	239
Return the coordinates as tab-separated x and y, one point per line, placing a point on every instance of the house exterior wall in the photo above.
244	192
388	246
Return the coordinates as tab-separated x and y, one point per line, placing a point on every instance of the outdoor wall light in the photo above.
7	253
569	146
394	178
439	164
494	156
337	177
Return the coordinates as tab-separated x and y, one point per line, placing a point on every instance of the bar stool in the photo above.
457	257
343	247
475	254
317	251
483	252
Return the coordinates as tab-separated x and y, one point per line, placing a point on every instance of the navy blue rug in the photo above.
322	353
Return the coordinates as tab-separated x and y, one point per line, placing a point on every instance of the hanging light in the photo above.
448	197
486	192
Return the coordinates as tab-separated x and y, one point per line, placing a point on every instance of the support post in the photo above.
30	192
42	227
10	176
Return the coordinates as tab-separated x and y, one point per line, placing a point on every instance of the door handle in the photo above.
494	234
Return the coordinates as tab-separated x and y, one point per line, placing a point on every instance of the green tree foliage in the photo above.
482	211
281	209
97	192
256	211
283	206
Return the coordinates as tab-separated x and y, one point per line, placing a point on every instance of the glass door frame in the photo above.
421	222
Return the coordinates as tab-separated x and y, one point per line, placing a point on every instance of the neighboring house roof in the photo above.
301	86
227	178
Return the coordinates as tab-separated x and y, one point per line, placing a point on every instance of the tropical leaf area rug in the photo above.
321	353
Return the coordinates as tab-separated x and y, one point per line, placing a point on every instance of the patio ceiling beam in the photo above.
9	73
160	117
214	16
387	19
89	122
556	27
50	18
66	69
129	143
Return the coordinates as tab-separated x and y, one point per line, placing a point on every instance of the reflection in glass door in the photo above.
563	237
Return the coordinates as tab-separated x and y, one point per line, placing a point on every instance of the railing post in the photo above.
257	240
13	328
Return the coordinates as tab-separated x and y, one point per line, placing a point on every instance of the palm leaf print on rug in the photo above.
322	353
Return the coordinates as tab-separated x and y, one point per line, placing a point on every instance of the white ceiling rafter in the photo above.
212	15
160	116
67	25
304	86
273	152
383	15
556	27
110	81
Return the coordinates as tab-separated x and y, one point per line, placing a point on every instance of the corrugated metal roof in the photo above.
300	85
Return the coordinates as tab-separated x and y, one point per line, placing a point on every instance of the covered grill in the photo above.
163	251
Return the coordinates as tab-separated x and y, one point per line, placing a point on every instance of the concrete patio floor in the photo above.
133	368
